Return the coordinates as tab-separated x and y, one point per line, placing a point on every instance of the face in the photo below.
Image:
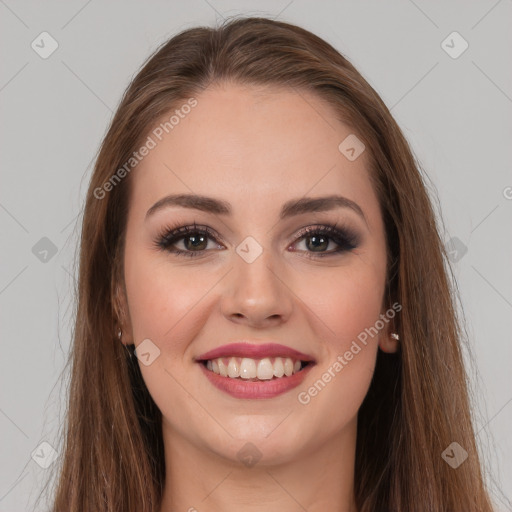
279	279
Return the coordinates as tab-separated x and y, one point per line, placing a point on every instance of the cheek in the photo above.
163	298
346	307
345	300
165	306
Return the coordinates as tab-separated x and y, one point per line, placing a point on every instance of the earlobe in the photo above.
123	324
389	342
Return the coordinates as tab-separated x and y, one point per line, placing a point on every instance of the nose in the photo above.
255	293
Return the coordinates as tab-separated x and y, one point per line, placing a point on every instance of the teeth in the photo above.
233	368
223	369
247	368
278	367
265	369
288	367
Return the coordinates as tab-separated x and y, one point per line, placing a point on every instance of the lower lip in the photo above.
239	388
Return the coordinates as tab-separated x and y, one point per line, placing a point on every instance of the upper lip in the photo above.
254	351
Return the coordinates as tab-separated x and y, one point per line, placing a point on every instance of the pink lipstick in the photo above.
255	371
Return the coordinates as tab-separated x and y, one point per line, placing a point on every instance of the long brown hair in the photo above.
418	402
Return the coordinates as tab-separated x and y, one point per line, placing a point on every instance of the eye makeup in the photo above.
198	237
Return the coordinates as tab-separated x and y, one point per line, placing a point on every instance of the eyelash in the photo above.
345	238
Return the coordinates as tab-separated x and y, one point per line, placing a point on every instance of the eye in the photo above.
193	239
317	239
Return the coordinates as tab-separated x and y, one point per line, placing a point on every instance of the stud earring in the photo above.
119	334
395	336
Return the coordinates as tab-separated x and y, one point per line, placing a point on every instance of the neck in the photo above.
199	480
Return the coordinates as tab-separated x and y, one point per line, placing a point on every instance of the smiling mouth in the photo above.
255	370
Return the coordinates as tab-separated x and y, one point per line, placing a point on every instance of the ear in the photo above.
389	340
388	344
120	305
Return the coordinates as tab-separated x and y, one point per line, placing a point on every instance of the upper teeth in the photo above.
246	368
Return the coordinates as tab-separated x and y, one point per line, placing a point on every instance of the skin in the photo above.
255	148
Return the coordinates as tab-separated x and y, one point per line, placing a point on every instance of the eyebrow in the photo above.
289	209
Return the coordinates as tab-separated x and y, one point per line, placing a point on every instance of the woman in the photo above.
257	229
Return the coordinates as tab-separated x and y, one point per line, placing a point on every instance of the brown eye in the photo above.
317	242
318	239
194	240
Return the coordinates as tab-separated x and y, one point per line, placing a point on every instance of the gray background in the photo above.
456	113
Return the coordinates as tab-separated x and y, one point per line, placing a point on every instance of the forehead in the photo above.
250	144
